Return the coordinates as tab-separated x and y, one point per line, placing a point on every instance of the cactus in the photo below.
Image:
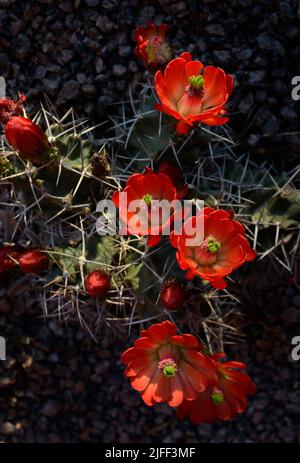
60	200
66	185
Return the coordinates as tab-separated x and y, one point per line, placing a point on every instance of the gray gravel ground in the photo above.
80	52
57	385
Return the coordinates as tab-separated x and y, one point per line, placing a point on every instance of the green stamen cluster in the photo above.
168	367
148	199
217	398
196	82
169	371
213	245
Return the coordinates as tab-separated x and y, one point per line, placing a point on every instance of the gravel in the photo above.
57	385
43	50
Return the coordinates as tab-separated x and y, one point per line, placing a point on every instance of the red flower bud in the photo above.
172	295
8	258
28	138
10	108
97	283
152	47
33	261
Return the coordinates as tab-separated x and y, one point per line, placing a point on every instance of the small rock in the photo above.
99	65
242	53
215	29
246	103
52	408
7	428
288	113
70	90
40	72
119	70
222	56
93	2
255	77
267	43
81	77
132	66
88	89
257	417
104	24
66	6
125	51
51	84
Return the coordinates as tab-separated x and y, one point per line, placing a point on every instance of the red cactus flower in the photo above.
97	283
225	396
172	295
165	367
28	139
192	93
223	249
175	174
147	188
152	47
34	261
9	258
10	108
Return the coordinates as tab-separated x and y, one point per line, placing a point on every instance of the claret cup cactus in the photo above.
169	143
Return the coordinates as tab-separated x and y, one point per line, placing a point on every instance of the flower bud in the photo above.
33	261
172	295
152	47
97	283
28	139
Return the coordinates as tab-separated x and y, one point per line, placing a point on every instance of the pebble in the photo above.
94	38
99	65
93	2
7	428
119	70
69	90
52	408
222	56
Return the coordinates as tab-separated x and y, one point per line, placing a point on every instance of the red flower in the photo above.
192	93
10	108
165	367
175	174
9	258
97	283
172	295
147	187
225	396
223	249
152	47
34	261
28	138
